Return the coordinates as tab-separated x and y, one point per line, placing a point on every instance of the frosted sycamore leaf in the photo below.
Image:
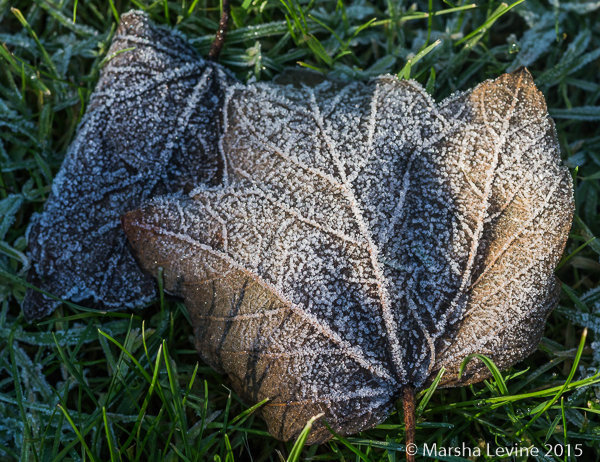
152	127
365	237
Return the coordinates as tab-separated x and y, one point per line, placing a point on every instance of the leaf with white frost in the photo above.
152	127
363	238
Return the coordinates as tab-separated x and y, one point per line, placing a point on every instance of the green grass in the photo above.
128	387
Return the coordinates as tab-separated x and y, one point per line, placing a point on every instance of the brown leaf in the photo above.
365	237
152	127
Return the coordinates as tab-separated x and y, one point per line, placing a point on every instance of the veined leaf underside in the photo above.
364	237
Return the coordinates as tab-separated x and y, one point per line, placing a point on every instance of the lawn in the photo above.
129	386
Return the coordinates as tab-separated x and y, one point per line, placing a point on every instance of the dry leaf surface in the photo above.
152	127
364	237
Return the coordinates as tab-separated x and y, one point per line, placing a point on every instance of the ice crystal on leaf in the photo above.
363	238
152	127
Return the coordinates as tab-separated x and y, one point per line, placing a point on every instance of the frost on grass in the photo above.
587	314
151	128
365	237
536	41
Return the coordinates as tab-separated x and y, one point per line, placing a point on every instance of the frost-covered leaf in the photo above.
32	376
577	113
71	336
345	72
592	298
589	320
55	11
152	127
9	207
364	238
580	7
590	301
10	118
11	252
243	34
20	40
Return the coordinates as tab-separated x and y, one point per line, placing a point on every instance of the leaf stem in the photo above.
219	41
408	405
